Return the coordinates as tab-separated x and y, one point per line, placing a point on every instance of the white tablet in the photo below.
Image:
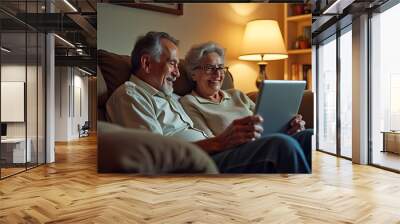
278	102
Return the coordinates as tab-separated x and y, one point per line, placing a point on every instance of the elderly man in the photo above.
147	102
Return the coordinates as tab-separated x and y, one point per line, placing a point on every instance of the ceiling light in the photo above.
84	71
70	5
64	40
79	51
5	49
337	7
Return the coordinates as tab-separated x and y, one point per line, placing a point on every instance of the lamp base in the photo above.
262	75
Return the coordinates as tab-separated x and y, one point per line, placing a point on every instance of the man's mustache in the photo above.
171	79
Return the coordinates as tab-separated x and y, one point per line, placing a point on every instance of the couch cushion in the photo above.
183	85
115	68
307	108
102	96
136	151
101	88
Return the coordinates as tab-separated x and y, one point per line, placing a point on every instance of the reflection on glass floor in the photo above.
386	159
8	169
346	151
5	172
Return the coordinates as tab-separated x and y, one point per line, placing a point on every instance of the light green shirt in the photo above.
136	104
212	117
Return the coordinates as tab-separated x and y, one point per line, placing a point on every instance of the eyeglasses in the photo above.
209	69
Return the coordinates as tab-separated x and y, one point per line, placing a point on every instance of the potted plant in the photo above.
298	9
303	42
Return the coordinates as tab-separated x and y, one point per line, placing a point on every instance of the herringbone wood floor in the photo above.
70	191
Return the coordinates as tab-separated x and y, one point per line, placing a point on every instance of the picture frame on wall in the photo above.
170	8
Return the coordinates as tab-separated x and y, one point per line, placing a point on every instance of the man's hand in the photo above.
296	125
241	131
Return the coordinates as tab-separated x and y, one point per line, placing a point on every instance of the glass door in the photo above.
326	96
385	89
345	42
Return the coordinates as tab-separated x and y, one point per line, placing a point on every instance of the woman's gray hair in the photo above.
197	52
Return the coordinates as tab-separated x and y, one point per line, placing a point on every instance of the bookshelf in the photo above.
300	51
297	35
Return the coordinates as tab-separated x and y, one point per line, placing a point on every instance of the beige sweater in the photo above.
213	117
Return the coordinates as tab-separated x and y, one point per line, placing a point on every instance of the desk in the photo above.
13	150
391	141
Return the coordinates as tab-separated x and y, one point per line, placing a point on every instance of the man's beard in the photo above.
167	90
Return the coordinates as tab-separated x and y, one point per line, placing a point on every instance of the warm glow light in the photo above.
244	74
262	41
243	9
265	57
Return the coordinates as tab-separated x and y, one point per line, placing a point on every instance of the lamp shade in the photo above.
262	41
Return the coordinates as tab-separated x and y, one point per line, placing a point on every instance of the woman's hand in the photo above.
296	125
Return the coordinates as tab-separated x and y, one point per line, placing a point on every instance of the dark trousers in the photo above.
275	153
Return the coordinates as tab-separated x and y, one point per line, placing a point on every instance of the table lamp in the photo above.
262	41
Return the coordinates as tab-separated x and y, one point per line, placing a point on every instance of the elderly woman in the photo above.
213	109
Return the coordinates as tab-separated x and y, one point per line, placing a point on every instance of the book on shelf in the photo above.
301	72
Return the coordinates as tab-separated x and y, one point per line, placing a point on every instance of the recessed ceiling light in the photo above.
337	7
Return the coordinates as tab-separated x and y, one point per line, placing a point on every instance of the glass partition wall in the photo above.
22	78
13	110
383	74
385	89
334	94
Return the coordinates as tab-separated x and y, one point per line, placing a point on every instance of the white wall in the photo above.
118	27
61	103
70	81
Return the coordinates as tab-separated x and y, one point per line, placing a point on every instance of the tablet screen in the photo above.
278	102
